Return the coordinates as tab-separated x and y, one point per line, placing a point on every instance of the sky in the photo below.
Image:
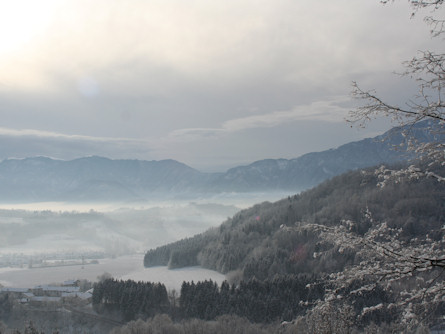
213	84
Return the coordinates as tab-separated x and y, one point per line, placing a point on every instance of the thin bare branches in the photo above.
381	258
419	4
437	26
428	69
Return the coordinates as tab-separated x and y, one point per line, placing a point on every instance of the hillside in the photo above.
261	241
101	179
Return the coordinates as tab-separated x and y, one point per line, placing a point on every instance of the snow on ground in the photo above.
173	279
124	267
64	231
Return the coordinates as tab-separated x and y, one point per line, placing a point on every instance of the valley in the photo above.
54	242
268	256
128	267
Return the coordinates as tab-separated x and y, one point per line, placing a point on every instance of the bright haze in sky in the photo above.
212	84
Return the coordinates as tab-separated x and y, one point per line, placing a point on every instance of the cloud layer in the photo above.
209	82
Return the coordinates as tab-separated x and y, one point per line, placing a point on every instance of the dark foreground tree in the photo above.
413	271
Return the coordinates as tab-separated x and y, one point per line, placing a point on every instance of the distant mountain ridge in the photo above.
96	178
93	178
311	169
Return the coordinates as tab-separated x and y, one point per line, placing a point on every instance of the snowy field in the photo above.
37	235
125	267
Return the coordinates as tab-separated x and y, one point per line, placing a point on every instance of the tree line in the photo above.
282	298
130	299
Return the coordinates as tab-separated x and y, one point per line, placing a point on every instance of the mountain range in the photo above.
37	179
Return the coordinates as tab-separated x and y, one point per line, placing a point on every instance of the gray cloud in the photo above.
327	111
26	143
205	82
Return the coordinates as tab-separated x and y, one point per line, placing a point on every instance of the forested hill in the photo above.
261	241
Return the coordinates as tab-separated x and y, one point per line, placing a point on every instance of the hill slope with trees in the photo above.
262	241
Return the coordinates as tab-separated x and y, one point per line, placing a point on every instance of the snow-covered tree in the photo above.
411	271
427	69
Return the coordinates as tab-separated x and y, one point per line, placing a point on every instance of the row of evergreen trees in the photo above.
280	299
259	301
130	299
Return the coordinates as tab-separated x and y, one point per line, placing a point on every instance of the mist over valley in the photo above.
58	241
58	213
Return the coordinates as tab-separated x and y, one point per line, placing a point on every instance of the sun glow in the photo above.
22	22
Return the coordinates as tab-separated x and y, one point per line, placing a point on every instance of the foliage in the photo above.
281	298
130	299
162	324
183	254
409	271
412	269
6	305
363	262
262	241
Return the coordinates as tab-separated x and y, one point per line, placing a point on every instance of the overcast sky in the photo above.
212	84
